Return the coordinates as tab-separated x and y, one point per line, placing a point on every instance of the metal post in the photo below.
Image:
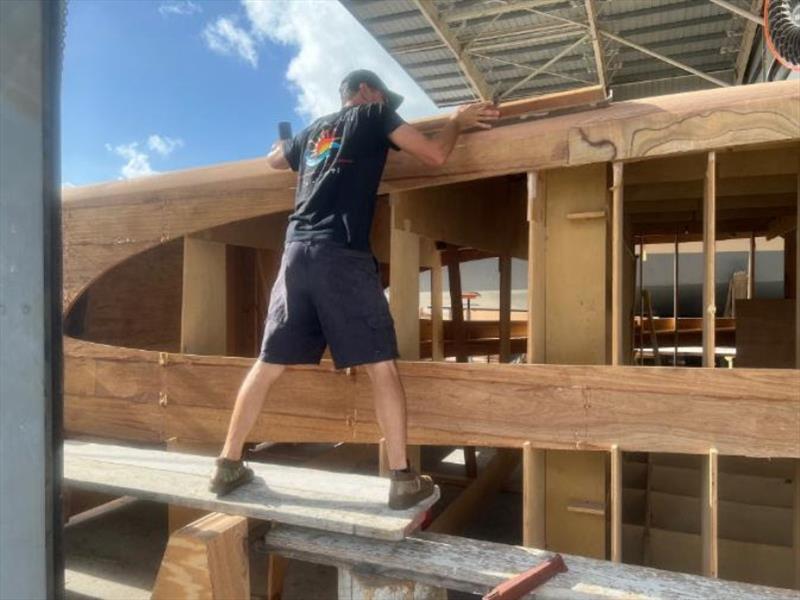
30	300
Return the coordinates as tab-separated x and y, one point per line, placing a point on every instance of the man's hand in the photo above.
479	114
276	159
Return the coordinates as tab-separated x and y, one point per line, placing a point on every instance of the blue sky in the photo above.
161	85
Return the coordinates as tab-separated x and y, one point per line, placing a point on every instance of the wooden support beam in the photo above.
504	264
751	268
404	289
617	254
437	325
206	559
471	72
451	259
536	266
204	309
597	44
533	497
276	574
115	391
709	254
676	305
616	504
709	517
475	497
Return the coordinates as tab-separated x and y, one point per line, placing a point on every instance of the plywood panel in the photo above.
764	333
576	276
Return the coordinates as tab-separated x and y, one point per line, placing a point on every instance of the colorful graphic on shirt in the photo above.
321	147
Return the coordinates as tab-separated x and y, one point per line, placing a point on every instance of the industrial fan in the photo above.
782	31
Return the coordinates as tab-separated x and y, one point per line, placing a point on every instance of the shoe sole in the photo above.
227	488
406	502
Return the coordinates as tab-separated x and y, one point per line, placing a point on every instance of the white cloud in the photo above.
330	42
224	36
163	145
138	164
67	184
179	7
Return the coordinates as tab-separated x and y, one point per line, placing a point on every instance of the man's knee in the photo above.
382	370
265	373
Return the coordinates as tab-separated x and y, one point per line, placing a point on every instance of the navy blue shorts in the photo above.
326	293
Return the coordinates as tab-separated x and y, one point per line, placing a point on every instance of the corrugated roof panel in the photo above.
507	42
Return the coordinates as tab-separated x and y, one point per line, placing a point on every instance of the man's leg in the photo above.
249	401
390	408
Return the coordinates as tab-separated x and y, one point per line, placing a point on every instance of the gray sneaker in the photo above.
408	488
229	475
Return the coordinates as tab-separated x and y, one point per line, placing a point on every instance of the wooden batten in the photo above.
616	503
709	516
505	307
536	266
533	497
617	253
709	254
437	324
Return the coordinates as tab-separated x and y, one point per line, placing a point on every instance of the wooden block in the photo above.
207	559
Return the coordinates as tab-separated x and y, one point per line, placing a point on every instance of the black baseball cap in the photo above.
355	78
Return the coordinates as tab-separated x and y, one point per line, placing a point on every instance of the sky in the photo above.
151	86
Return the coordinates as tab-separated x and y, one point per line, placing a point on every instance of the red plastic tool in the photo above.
526	582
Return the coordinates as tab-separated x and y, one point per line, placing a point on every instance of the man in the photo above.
328	289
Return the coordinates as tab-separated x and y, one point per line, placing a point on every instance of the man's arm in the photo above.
276	159
435	151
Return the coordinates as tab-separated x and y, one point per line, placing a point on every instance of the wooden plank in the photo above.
533	497
341	502
206	559
616	504
523	108
709	254
537	215
477	494
752	412
505	307
475	567
709	515
105	224
617	253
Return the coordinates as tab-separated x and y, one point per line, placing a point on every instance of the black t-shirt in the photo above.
340	159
